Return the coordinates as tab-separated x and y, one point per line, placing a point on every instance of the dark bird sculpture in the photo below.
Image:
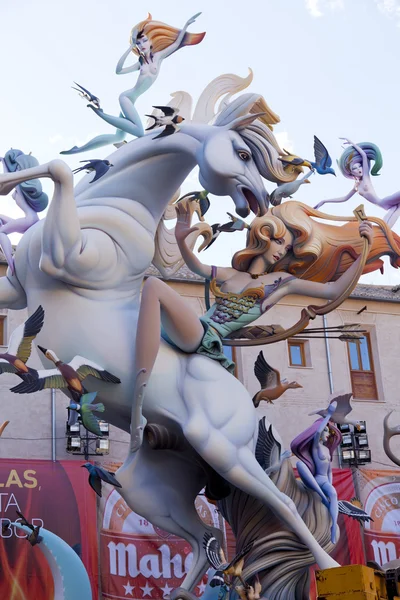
65	376
84	93
235	224
85	408
20	347
343	409
99	167
295	161
272	387
200	197
268	450
353	509
323	161
5	526
216	558
34	537
97	475
170	121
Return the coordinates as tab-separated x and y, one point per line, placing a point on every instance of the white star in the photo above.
202	586
146	590
128	589
166	590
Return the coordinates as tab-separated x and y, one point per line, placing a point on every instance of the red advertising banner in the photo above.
57	496
138	560
380	494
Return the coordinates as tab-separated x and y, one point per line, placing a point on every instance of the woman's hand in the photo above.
191	20
184	218
332	407
366	230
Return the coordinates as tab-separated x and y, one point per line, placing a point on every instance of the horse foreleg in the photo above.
161	486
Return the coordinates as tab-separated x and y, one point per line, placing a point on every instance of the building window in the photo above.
362	369
297	353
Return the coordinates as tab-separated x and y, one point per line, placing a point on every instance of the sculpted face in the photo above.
325	435
356	170
144	45
279	247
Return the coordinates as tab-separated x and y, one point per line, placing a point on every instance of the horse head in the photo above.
232	156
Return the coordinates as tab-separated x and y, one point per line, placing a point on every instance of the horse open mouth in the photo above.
249	203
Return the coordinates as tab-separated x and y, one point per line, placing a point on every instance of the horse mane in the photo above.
258	136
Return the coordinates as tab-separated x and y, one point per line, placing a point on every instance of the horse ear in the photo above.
242	122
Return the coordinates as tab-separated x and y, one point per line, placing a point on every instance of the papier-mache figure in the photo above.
355	163
151	41
314	448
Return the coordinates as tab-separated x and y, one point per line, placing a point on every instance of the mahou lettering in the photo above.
123	560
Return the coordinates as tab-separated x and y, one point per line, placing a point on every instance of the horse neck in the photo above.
149	171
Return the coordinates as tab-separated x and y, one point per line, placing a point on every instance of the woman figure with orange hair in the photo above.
152	41
287	252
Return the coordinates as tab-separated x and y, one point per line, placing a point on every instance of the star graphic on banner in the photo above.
166	590
202	586
128	588
146	590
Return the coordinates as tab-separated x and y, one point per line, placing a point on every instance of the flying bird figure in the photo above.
200	197
84	93
235	224
20	347
293	160
216	558
170	120
272	387
287	189
3	426
97	166
85	409
353	510
340	416
268	450
323	162
34	537
97	475
68	376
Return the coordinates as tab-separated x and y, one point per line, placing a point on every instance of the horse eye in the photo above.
243	155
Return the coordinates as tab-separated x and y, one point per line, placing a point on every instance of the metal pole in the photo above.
53	425
328	354
330	377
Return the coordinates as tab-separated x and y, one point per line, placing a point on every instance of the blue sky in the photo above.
328	67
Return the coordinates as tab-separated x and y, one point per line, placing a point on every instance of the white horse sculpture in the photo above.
85	264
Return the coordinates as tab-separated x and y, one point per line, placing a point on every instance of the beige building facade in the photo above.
370	369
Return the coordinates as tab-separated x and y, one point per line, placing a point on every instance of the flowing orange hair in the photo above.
321	252
162	35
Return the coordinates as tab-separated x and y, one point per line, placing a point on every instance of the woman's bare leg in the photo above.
159	304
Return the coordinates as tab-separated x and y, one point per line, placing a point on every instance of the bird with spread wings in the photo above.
224	569
272	386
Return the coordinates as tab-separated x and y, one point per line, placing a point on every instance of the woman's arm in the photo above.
330	291
364	157
182	231
119	68
344	199
175	46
